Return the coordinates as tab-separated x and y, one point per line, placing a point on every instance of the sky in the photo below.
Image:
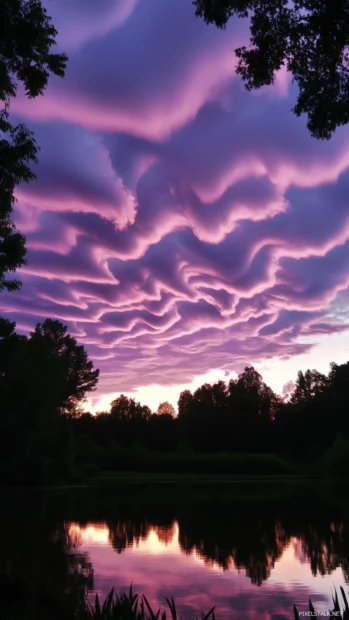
180	226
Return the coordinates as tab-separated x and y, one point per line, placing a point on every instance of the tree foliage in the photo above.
43	378
58	355
26	38
308	386
166	408
45	374
124	408
308	37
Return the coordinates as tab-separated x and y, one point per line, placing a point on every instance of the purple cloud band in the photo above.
178	223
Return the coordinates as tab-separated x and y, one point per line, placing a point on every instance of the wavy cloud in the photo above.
178	224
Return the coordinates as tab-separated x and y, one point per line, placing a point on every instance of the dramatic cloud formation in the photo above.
178	224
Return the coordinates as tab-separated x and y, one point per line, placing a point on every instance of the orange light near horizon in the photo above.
96	533
158	540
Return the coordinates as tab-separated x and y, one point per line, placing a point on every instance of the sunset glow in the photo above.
181	227
158	567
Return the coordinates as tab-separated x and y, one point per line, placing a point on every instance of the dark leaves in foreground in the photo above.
309	39
26	38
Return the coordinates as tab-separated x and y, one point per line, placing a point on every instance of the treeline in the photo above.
243	415
45	436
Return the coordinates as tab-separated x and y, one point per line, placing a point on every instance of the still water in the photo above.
251	550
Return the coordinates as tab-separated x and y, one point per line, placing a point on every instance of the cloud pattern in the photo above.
178	224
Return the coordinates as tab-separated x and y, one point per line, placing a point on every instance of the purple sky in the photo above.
180	226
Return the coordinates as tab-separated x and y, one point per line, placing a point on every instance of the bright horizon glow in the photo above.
276	373
181	227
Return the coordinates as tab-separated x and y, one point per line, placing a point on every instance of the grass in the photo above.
130	607
336	611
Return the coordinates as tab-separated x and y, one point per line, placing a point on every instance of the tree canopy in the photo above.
26	38
309	37
44	435
124	408
44	374
166	408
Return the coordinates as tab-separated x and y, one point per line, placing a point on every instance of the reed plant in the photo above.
129	607
335	613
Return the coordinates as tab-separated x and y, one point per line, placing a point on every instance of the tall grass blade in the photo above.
97	607
209	615
346	606
152	615
173	609
335	602
108	603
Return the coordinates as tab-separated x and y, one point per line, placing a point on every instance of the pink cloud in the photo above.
178	224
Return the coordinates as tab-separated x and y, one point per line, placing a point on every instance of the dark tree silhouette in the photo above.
46	374
128	421
17	150
26	37
70	374
43	378
309	37
308	385
127	408
184	403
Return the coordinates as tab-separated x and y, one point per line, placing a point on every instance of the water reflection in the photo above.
253	554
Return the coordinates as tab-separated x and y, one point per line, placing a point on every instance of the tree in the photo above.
261	398
338	379
185	404
69	372
45	374
250	381
270	404
308	385
7	328
166	409
26	38
309	37
124	408
12	365
43	378
16	153
338	392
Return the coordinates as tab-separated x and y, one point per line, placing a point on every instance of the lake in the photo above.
251	549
